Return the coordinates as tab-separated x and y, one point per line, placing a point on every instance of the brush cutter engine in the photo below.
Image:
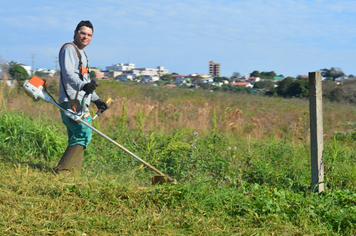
36	89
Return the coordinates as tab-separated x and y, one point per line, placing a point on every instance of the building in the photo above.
98	73
129	68
178	78
149	71
278	78
254	79
214	68
126	77
245	84
121	67
48	72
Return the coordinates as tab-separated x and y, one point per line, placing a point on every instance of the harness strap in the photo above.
82	70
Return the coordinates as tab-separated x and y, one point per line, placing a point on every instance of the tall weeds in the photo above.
33	139
241	165
137	107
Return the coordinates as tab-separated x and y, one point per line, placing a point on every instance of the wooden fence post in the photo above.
316	131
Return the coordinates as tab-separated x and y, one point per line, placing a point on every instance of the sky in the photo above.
289	37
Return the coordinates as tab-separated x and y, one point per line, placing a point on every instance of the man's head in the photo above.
83	34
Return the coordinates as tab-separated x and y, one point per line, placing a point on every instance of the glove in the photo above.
89	87
101	105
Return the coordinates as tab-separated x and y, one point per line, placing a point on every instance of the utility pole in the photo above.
33	63
316	131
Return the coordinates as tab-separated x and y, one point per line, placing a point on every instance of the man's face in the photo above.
83	36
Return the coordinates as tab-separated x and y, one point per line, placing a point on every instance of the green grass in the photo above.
228	184
250	188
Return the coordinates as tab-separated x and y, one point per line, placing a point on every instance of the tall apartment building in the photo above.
214	68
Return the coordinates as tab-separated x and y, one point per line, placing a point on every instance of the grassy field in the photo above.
242	164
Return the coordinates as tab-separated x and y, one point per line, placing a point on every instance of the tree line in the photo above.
289	87
337	86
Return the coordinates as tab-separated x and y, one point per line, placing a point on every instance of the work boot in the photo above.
78	163
72	157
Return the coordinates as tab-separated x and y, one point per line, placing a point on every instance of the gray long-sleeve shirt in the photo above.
70	78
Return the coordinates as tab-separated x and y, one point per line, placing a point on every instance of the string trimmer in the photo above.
36	88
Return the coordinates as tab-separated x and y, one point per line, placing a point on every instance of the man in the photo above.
75	83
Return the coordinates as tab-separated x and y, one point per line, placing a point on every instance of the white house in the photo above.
150	78
49	72
121	67
129	68
208	80
125	77
254	79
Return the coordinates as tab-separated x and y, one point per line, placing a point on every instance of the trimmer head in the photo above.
160	179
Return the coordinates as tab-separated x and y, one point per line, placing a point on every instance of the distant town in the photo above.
129	72
264	82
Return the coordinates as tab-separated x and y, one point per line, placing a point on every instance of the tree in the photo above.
266	84
267	75
241	89
217	79
348	91
332	91
204	85
332	74
255	73
167	77
19	74
220	79
92	74
299	89
226	87
283	86
235	75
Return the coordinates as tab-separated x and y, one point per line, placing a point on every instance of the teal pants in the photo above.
78	133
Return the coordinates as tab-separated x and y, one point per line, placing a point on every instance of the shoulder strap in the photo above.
76	49
81	69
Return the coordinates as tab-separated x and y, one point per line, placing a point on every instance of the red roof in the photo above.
178	76
242	83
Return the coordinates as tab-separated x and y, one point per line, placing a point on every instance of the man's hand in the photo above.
100	104
89	87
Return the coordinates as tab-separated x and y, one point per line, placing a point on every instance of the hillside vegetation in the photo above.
242	164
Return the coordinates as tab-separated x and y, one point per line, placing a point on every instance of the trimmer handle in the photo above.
87	94
101	110
92	82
